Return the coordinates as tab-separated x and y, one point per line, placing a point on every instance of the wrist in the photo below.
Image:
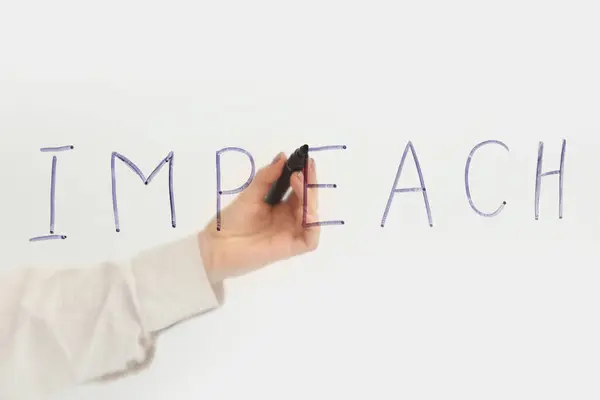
209	255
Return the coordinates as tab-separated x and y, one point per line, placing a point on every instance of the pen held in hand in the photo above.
294	163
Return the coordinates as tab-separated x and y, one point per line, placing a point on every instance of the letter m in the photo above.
167	160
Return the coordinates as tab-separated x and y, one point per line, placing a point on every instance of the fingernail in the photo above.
277	157
312	162
300	175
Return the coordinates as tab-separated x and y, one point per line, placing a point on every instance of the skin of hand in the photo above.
253	233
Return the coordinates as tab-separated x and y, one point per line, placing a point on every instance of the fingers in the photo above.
297	185
296	199
306	210
312	194
263	179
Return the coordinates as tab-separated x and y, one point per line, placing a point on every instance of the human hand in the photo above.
253	233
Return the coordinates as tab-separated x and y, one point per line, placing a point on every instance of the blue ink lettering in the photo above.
52	193
55	149
167	160
47	237
317	185
539	175
221	192
52	236
468	165
406	190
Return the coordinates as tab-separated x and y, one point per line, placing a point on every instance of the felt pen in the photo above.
294	163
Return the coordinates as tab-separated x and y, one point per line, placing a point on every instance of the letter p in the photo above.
220	191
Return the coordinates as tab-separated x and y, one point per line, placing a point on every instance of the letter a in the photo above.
395	190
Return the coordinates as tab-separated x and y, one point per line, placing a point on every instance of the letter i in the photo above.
52	235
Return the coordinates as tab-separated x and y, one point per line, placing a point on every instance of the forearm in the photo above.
69	326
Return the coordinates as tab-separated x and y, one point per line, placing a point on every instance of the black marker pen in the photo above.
293	164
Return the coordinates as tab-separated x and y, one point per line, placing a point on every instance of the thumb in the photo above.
265	177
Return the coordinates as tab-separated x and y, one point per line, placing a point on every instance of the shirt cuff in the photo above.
171	284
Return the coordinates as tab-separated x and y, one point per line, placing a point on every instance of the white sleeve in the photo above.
65	327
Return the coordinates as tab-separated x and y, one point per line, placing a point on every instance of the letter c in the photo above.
468	190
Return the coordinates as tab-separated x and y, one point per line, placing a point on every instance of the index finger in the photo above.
310	195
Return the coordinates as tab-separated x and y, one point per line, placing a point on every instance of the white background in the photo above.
473	308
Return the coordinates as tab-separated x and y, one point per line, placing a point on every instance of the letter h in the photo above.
539	175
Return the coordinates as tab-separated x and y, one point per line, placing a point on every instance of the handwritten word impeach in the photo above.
221	192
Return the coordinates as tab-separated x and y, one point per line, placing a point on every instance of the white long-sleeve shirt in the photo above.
65	327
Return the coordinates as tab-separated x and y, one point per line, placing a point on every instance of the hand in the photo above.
253	233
